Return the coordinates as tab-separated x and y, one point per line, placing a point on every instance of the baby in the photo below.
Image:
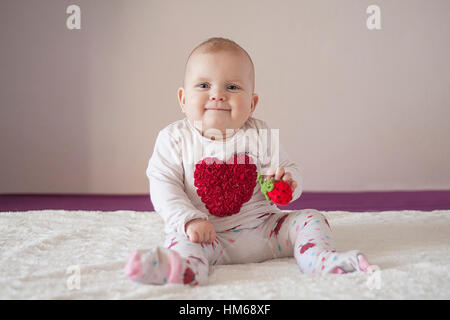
202	176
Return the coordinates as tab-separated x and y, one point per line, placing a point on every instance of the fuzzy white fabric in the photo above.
43	253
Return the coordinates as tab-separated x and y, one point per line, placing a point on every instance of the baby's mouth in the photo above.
217	109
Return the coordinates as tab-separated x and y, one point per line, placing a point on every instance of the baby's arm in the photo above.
289	171
286	170
166	177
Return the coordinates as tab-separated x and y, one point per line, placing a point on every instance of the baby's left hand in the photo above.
280	174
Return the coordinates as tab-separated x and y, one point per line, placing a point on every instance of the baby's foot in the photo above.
344	262
159	266
338	270
148	266
363	265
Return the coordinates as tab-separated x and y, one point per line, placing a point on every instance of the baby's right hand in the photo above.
200	230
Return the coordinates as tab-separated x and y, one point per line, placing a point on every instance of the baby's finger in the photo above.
293	185
212	236
279	174
269	174
205	237
197	237
287	177
193	237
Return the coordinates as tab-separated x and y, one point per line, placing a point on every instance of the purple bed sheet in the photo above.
326	201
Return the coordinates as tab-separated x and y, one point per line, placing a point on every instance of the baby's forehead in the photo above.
197	60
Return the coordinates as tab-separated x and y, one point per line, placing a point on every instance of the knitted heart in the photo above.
225	187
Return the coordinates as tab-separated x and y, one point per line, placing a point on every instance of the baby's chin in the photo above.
218	123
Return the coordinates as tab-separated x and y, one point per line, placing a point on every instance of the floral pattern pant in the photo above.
304	234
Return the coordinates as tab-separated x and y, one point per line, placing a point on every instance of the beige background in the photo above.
358	109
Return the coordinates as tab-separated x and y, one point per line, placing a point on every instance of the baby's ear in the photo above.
181	98
255	100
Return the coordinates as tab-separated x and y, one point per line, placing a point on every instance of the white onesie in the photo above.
256	231
179	146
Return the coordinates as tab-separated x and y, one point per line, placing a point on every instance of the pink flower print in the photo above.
306	247
172	243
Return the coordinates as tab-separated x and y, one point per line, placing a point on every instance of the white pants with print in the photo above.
304	234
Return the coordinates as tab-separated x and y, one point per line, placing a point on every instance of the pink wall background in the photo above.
359	110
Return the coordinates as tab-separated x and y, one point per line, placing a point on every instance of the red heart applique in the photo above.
225	187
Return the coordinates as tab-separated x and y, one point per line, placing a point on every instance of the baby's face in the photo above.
218	90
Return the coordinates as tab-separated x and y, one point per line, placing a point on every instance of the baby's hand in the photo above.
200	230
285	176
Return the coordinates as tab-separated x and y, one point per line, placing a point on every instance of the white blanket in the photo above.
58	254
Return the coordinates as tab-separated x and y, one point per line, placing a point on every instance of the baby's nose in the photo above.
217	96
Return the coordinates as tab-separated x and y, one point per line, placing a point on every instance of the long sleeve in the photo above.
293	168
167	191
276	156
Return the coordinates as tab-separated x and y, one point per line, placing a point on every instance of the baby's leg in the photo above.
180	261
314	251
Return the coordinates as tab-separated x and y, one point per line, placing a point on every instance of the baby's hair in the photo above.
218	44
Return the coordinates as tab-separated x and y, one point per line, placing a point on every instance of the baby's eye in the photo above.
203	85
233	87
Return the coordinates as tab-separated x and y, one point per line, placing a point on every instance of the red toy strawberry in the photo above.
278	191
